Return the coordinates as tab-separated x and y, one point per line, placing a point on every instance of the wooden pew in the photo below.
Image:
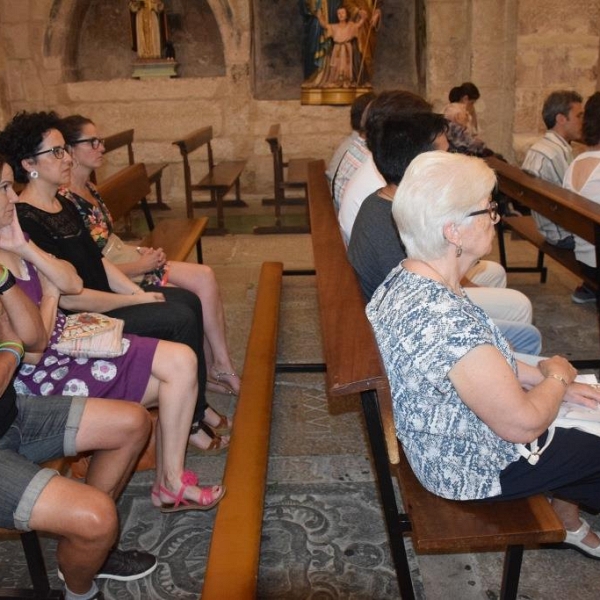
34	555
124	139
297	169
218	181
233	558
353	364
177	237
569	210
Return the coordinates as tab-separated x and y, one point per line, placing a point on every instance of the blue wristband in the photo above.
13	351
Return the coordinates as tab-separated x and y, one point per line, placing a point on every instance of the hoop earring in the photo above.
34	174
458	250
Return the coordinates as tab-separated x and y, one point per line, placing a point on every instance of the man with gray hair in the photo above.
549	158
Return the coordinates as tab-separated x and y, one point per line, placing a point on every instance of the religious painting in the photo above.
339	39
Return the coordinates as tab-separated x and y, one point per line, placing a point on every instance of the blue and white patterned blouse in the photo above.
423	330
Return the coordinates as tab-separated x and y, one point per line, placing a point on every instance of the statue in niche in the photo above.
147	27
338	51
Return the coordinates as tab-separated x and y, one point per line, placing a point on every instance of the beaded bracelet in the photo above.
13	351
15	346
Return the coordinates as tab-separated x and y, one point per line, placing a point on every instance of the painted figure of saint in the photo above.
342	57
147	27
367	36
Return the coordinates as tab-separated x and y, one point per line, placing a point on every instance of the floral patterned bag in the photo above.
91	335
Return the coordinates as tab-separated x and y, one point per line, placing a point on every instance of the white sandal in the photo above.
574	540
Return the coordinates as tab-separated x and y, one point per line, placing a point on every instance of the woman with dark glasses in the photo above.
35	149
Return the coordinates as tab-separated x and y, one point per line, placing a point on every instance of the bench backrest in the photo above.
188	144
123	190
351	354
195	140
561	206
118	140
114	142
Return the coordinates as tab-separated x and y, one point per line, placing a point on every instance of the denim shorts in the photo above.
45	428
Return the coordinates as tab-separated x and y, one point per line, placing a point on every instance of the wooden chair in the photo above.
295	178
221	177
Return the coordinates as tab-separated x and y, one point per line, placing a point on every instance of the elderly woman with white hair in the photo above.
473	420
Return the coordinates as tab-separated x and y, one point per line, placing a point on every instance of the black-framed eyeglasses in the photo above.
491	210
93	142
57	151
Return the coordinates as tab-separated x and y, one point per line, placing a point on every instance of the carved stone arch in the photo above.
59	41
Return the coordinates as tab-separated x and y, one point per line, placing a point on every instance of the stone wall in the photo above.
514	50
557	48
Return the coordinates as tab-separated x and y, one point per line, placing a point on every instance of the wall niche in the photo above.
103	49
277	29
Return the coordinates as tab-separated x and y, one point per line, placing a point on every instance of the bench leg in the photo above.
147	214
501	246
370	406
37	572
511	573
539	267
199	256
159	199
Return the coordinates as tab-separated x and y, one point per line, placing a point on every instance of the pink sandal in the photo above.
207	498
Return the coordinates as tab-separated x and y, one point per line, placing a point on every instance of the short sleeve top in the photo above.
423	330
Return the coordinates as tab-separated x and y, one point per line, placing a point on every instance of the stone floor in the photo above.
323	533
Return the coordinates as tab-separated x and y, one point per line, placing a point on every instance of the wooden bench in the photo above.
218	181
233	558
177	237
34	555
353	365
124	139
295	178
567	209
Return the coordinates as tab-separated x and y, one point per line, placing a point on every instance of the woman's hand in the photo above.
11	236
583	394
148	297
151	258
558	366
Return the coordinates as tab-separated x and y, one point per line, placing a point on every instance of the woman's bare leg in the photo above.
173	387
568	513
201	280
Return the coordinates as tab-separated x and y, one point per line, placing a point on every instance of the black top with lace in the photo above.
64	235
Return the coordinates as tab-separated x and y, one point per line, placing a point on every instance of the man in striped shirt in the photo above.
550	156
